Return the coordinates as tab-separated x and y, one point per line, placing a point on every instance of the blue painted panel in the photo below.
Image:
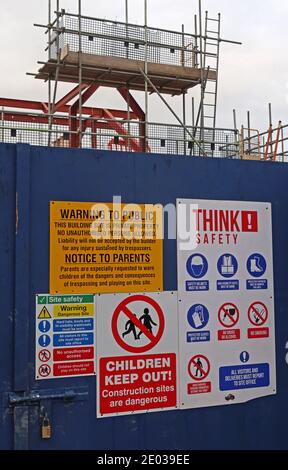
22	268
86	175
7	250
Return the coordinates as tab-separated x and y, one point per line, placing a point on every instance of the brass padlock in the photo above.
46	428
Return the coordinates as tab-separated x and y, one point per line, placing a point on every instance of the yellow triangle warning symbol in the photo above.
44	313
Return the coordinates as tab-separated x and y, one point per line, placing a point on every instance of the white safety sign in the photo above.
137	346
226	302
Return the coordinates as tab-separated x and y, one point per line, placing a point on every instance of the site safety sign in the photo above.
137	346
65	336
105	247
226	302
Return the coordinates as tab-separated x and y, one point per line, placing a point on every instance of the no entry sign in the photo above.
151	319
137	347
44	370
199	367
44	355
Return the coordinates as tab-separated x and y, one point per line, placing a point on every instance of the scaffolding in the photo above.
30	124
269	145
92	52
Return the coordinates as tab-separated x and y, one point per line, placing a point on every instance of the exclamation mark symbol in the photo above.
249	220
169	375
44	325
44	340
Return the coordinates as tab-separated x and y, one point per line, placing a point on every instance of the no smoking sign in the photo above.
258	313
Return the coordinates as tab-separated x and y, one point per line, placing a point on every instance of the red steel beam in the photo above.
73	123
45	108
24	104
85	96
61	121
132	103
74	109
68	97
94	136
116	126
37	105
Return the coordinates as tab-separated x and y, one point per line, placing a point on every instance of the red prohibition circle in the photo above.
47	370
228	304
121	309
193	362
252	309
46	353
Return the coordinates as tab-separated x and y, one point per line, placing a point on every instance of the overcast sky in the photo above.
251	75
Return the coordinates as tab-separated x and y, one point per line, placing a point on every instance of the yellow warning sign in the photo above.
105	247
44	313
73	310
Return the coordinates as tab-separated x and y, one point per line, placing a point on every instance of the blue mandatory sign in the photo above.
44	326
241	377
244	357
73	339
227	265
198	316
44	340
256	265
197	266
73	324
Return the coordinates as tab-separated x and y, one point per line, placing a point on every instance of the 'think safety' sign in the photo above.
226	302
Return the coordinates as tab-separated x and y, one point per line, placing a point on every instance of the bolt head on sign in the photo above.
138	323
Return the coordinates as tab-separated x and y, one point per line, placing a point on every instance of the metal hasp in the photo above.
43	399
36	396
